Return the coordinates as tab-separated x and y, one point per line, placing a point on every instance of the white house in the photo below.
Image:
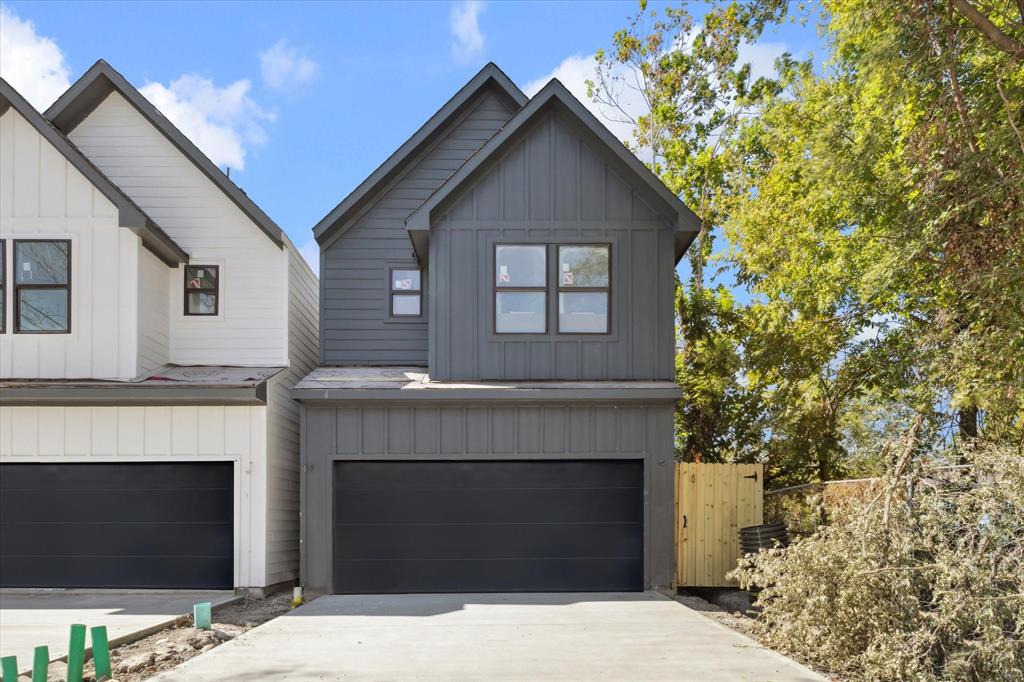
154	320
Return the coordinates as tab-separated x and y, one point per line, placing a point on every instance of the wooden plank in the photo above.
708	486
717	515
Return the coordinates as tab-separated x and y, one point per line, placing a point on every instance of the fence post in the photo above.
40	663
101	652
76	653
9	667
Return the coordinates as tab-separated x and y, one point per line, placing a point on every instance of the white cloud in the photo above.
283	65
311	252
467	38
33	64
222	121
575	70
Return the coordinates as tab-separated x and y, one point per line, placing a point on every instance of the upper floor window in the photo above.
520	288
42	286
406	293
584	282
202	290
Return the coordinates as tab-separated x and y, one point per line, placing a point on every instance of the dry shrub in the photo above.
803	508
930	590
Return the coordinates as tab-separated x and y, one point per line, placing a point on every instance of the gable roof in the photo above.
129	215
394	163
554	93
100	80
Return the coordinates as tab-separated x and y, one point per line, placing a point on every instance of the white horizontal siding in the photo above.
283	422
43	196
252	328
158	434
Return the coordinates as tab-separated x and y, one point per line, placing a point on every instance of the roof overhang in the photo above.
89	91
129	214
133	394
686	224
334	222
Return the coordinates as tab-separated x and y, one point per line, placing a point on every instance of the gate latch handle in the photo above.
684	520
753	476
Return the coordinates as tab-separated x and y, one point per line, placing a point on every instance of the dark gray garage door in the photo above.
488	526
117	525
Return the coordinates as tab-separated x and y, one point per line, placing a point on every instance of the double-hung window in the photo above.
202	290
584	282
406	293
520	288
42	286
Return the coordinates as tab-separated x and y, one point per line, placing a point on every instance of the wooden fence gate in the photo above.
713	501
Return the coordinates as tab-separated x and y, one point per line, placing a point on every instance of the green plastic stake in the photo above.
100	652
40	662
9	667
76	653
201	616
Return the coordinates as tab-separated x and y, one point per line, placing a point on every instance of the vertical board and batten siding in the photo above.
43	196
405	432
713	501
283	422
154	312
135	155
553	186
355	307
157	434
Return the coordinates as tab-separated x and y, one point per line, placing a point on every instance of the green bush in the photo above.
926	588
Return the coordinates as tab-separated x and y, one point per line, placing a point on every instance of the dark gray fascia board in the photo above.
134	394
491	395
100	80
367	188
418	222
129	214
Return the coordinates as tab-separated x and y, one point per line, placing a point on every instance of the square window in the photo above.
202	290
405	305
583	312
582	267
43	310
520	265
520	312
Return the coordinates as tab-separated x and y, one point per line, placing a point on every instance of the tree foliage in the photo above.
872	207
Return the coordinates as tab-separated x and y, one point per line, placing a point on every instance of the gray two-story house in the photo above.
494	406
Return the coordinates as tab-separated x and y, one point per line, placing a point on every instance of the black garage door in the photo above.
117	525
488	526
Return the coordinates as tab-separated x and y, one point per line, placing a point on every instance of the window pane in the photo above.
582	266
43	310
201	277
583	313
520	266
41	262
405	280
519	312
202	304
405	304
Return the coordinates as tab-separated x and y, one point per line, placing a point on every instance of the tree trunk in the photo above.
968	423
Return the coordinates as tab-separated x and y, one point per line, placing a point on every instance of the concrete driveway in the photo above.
29	619
629	636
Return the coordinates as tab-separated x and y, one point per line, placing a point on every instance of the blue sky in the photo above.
304	100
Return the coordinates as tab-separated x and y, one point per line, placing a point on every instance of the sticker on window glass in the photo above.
200	274
403	283
503	275
194	283
567	278
26	266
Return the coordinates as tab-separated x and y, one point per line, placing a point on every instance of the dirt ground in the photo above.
173	646
732	619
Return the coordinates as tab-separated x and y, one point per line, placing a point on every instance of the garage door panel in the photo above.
497	474
105	504
99	539
488	526
118	571
117	525
475	541
508	575
496	505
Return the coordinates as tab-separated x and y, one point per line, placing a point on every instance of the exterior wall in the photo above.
251	328
43	196
482	432
283	424
554	185
158	434
354	268
154	312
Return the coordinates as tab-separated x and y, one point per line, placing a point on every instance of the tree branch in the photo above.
1009	109
990	30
